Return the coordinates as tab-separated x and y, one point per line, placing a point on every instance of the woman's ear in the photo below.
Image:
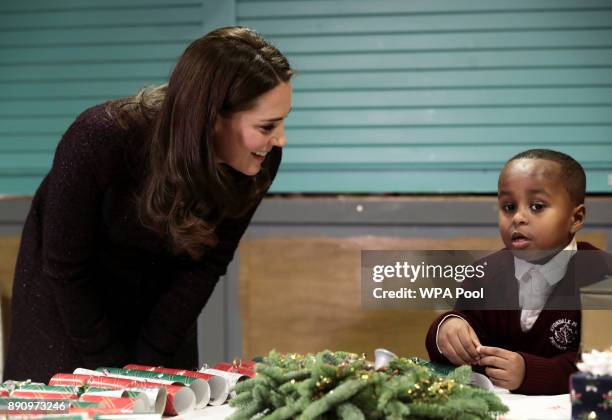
218	126
578	218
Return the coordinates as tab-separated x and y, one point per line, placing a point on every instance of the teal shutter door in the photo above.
59	58
434	96
390	96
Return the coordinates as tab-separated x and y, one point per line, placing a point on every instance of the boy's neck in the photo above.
549	256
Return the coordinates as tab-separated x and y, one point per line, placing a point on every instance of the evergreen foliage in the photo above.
330	385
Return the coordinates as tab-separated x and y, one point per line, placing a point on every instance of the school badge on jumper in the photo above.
563	333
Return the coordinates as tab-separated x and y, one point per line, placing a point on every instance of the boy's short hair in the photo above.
572	173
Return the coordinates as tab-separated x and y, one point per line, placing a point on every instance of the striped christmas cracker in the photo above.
219	387
45	392
91	380
121	404
75	416
232	378
246	367
142	402
117	409
200	387
66	379
156	396
179	399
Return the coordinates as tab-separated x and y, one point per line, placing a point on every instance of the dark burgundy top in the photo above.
92	286
550	347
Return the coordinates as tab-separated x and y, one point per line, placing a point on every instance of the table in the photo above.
522	407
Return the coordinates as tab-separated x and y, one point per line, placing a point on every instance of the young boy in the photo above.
529	350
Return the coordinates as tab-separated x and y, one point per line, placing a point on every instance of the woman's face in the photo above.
244	139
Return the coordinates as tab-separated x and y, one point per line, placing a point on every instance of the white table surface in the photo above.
522	407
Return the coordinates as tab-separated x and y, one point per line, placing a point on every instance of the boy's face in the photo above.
536	212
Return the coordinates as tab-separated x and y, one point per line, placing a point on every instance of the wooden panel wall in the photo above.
303	294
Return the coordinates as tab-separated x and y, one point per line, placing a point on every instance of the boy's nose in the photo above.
519	218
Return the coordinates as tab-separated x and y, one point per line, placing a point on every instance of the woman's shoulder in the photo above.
95	141
93	127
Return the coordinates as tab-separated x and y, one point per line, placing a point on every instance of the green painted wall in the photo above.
390	96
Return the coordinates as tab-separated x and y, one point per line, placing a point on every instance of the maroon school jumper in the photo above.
93	287
550	347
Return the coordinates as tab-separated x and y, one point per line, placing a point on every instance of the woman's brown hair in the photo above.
186	191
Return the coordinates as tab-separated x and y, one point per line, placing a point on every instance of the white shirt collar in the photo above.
553	270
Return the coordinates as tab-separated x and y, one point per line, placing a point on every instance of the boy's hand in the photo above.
506	368
458	341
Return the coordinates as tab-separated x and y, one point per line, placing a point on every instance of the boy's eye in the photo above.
536	207
508	207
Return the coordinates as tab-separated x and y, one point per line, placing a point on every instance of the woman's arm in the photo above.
70	219
192	284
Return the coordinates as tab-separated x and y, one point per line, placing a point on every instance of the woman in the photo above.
142	211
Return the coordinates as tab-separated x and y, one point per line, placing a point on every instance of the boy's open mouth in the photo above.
519	240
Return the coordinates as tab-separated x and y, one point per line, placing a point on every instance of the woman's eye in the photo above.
266	128
536	206
508	207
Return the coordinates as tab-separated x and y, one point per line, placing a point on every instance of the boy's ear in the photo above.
578	218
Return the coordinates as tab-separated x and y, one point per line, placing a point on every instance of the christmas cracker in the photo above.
219	387
180	399
200	387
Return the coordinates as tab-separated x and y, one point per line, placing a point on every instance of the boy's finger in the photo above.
469	347
499	383
449	353
460	351
474	338
497	374
453	358
491	351
494	361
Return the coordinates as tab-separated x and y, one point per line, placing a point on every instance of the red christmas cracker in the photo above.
179	372
91	380
113	383
42	395
69	379
45	392
219	387
175	393
245	367
125	405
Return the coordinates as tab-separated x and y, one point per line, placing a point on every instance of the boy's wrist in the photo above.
440	325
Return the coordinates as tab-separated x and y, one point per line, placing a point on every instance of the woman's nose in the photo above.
279	139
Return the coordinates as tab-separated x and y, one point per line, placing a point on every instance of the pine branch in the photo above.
345	385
